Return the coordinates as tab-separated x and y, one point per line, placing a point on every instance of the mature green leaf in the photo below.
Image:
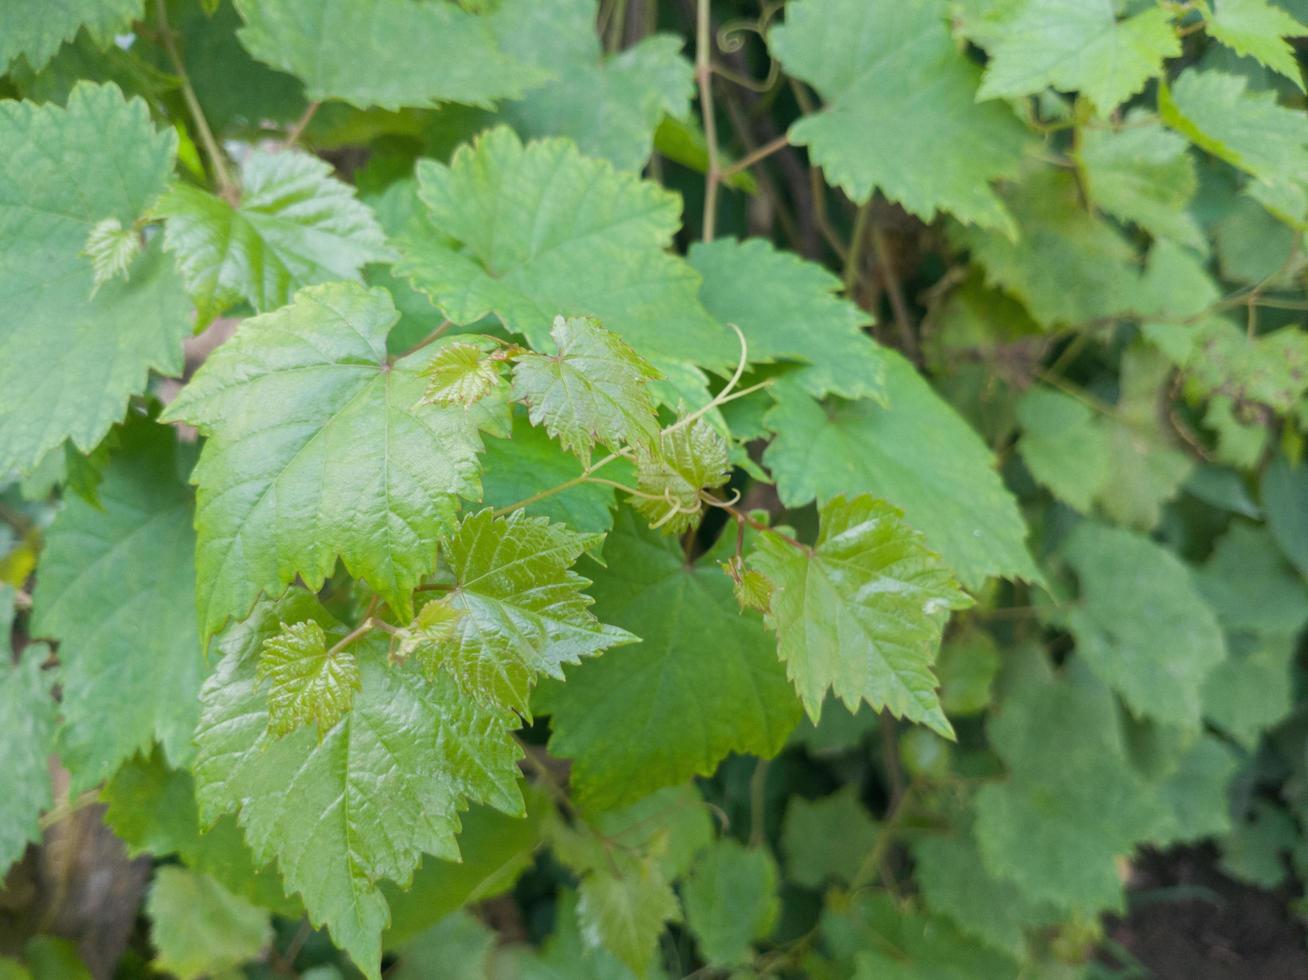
566	954
625	913
34	29
1195	791
318	447
307	684
1255	850
458	946
1250	587
955	883
592	389
827	839
1251	690
1257	28
27	728
295	225
862	612
1247	129
1076	46
610	106
1285	500
494	851
522	609
386	53
968	664
901	100
74	353
731	900
1044	829
152	809
914	453
674	470
363	801
1132	592
460	374
788	310
699	660
1068	267
1065	446
531	462
875	937
199	927
516	223
1144	174
115	591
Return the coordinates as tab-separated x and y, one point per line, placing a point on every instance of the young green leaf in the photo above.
674	470
115	590
74	353
516	223
295	225
384	53
901	99
1131	589
307	684
852	447
862	612
732	685
341	810
200	928
625	912
459	374
112	249
520	609
318	448
827	839
593	389
1065	446
1077	46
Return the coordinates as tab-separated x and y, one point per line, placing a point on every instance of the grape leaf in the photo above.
788	310
731	693
684	461
363	801
1069	266
610	106
1044	828
199	927
1247	129
1142	173
34	29
525	219
1132	592
914	453
317	448
1251	690
1250	587
295	225
306	684
901	99
862	612
1257	29
460	374
1195	792
1064	446
625	912
1285	499
522	611
731	900
385	53
27	729
75	351
593	389
1077	45
459	945
115	591
111	249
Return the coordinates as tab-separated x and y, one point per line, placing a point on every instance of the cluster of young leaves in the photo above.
498	522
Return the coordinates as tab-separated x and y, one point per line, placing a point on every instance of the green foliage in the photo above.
561	488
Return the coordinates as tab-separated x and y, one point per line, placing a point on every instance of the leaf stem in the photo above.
855	257
226	186
704	75
426	341
301	125
749	159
